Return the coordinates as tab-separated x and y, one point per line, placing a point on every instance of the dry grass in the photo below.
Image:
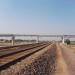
41	63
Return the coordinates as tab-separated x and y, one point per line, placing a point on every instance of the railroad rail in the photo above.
8	47
12	55
15	49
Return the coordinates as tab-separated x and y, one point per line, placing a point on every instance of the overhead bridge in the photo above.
37	36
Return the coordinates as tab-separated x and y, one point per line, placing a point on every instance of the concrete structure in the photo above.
38	36
13	39
63	40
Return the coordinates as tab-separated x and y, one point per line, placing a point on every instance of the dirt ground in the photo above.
59	60
61	66
66	61
69	57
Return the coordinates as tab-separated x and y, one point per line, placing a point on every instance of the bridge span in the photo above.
37	36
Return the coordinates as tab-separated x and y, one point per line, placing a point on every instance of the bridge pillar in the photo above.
37	39
13	40
63	40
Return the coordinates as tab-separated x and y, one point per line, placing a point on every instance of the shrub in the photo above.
67	41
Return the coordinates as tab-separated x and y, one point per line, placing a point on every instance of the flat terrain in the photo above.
69	59
72	46
55	59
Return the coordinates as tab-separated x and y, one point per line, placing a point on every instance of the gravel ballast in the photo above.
40	63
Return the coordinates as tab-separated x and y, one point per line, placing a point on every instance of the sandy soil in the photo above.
69	57
61	66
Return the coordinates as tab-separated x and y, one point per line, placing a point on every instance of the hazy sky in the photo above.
37	16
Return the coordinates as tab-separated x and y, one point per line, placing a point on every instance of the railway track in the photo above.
12	55
17	46
9	51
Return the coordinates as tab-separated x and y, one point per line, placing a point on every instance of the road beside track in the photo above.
69	57
61	66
